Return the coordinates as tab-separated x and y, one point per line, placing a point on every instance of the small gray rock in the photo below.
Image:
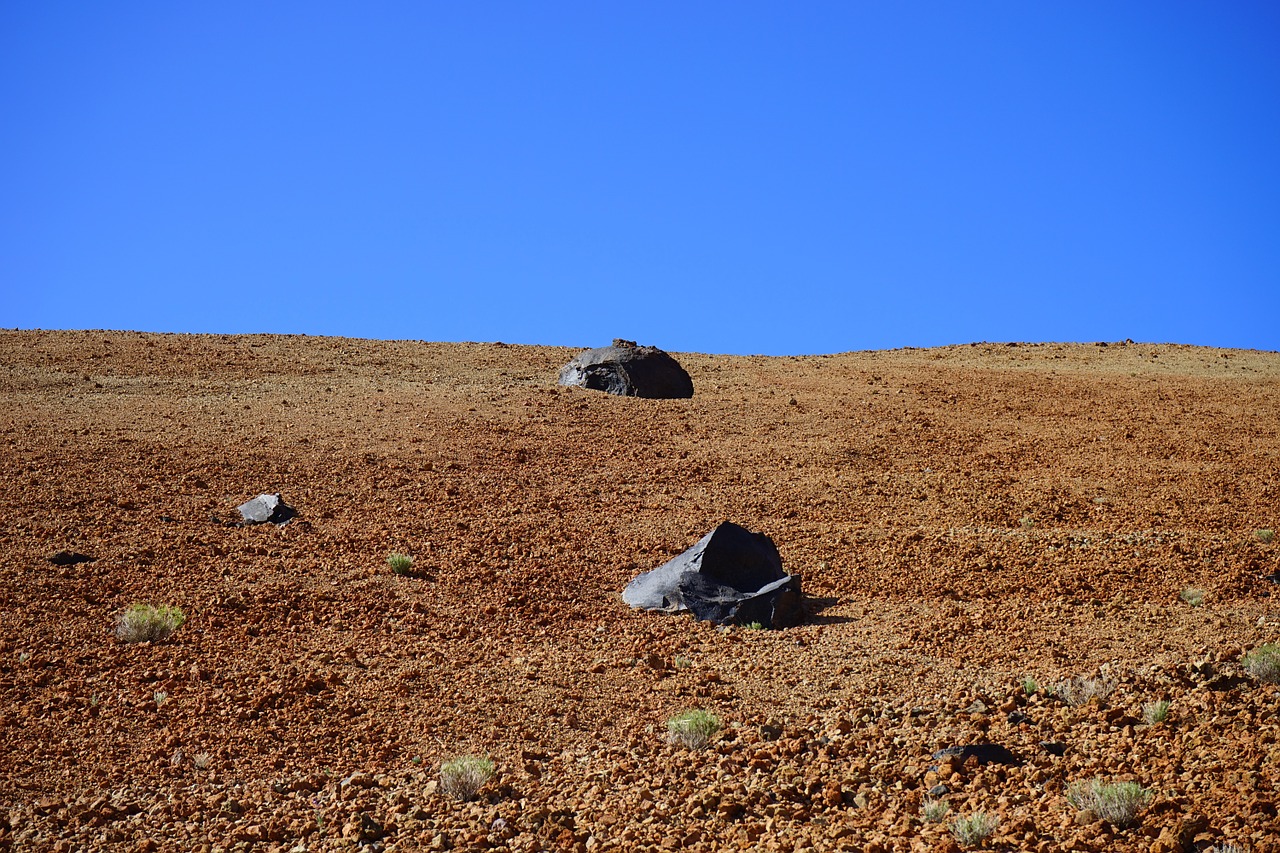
1053	748
266	508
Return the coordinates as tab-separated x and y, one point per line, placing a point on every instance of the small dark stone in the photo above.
168	518
1017	718
985	753
1053	748
266	508
939	791
70	558
627	370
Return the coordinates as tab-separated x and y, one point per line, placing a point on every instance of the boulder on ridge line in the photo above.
628	370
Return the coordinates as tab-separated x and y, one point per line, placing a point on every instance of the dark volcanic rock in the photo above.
731	576
984	753
70	558
266	508
628	370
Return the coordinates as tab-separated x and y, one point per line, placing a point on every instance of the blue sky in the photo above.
731	177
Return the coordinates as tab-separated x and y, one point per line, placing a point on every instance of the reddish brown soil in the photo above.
965	517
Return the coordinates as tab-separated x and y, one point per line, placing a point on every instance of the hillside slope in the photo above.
965	518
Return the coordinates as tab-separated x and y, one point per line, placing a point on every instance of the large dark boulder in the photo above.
629	371
731	576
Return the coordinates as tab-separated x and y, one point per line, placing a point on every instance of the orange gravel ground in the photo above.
964	518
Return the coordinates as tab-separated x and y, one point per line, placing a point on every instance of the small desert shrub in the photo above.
141	622
1193	596
462	778
1078	691
1264	535
933	811
973	830
401	564
1263	663
693	729
1227	847
1118	803
1156	712
1030	686
202	760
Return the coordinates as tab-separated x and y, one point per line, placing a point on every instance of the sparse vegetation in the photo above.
973	830
1193	596
1156	712
462	778
148	622
161	697
1080	690
755	626
1263	663
1264	535
693	729
1030	686
1118	803
1027	522
401	564
933	811
682	662
202	760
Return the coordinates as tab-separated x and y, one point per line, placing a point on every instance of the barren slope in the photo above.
966	517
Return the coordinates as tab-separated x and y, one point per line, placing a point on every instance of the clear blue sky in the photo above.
733	177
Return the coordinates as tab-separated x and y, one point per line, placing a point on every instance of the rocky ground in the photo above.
976	525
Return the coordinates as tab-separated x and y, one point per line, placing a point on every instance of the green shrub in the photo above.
401	564
463	777
1118	803
1263	663
973	830
693	729
1030	686
143	622
1193	596
1156	712
1264	535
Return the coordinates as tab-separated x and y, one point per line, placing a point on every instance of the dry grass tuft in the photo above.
1080	691
973	830
1263	663
1118	803
693	729
463	777
147	622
